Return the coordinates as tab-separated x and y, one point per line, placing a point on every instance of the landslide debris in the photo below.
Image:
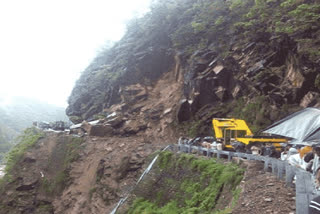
108	161
262	192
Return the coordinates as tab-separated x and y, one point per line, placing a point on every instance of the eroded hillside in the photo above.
174	70
62	173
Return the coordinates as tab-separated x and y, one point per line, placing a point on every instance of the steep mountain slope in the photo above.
258	60
90	174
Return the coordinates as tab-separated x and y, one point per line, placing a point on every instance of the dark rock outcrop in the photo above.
184	111
104	83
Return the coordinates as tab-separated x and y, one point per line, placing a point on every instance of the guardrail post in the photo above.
208	152
266	164
229	156
218	154
280	169
289	174
185	148
189	148
303	190
274	167
199	150
214	153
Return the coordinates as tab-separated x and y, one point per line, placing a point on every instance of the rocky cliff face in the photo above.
230	59
138	59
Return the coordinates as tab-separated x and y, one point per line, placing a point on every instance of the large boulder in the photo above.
86	126
101	130
132	127
294	74
184	111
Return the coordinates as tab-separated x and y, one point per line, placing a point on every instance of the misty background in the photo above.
45	45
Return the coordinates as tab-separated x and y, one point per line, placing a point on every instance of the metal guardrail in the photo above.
305	187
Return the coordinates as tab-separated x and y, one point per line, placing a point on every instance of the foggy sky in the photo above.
46	44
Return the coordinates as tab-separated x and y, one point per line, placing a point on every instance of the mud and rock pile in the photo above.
90	176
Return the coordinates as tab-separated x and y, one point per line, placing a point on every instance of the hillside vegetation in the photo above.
7	136
176	189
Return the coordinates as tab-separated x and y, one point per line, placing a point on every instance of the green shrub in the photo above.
236	4
288	3
302	18
194	127
164	159
198	26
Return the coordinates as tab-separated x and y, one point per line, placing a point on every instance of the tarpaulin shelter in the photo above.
303	126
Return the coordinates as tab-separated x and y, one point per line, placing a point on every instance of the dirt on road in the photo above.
262	192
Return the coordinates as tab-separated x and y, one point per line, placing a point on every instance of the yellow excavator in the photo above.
234	134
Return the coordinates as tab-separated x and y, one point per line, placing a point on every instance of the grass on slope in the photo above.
24	142
27	140
186	184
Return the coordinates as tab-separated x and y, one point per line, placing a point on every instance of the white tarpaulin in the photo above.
303	126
